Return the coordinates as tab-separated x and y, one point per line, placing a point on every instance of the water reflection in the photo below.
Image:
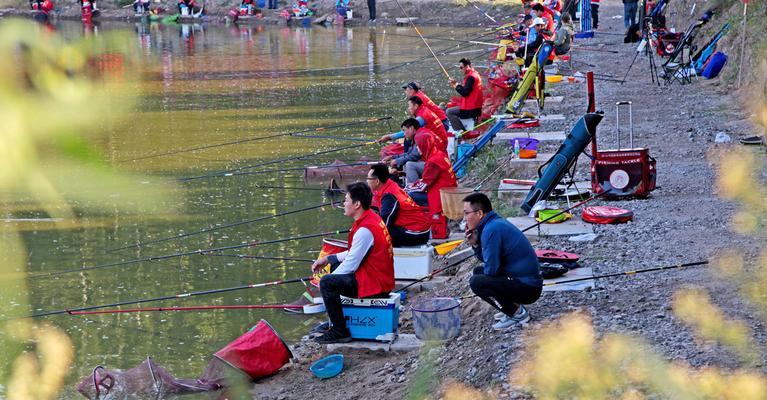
212	84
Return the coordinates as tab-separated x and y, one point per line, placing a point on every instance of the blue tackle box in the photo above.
372	318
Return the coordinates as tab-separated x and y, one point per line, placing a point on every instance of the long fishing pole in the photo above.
249	257
271	171
213	229
638	271
441	52
482	11
451	39
255	138
422	38
277	161
187	253
163	298
191	308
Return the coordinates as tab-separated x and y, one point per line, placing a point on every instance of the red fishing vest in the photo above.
475	98
376	273
437	174
432	106
410	215
434	124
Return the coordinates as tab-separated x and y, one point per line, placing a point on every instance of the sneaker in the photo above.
333	336
499	316
321	328
520	317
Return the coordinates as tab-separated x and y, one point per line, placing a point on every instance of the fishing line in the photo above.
255	138
281	160
185	254
162	298
422	38
249	257
271	171
217	228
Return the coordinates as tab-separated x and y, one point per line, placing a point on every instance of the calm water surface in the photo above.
204	85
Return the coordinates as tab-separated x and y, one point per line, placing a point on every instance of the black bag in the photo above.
633	34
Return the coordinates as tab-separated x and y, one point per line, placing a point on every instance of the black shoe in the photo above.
322	327
332	336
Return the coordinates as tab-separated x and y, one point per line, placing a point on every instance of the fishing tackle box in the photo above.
624	172
412	263
372	318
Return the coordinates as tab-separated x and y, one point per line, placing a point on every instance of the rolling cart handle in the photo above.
618	125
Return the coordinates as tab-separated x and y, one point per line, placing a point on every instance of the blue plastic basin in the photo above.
328	367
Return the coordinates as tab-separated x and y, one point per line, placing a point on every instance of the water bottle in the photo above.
516	148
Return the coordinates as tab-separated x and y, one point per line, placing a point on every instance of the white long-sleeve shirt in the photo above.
352	258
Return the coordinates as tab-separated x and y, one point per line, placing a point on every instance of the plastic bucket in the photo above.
329	246
437	318
525	143
452	201
259	353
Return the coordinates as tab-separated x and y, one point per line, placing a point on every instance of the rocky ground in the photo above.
683	221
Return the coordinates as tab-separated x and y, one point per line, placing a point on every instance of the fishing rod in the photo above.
422	38
281	160
638	271
482	11
248	257
270	171
191	308
163	298
187	253
451	39
256	138
443	52
208	230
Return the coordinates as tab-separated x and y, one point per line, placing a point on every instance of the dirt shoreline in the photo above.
683	221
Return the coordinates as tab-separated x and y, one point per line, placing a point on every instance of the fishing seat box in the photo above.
412	263
625	172
372	318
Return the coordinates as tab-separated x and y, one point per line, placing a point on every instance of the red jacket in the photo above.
376	273
434	124
410	215
437	173
475	98
432	106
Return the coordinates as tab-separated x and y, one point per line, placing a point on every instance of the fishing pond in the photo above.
218	89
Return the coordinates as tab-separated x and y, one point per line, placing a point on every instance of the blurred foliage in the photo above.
54	97
425	378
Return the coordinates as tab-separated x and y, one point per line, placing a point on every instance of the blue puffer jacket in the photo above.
506	251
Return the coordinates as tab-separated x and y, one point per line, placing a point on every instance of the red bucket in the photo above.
329	246
259	353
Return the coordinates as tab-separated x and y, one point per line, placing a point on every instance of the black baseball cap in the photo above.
413	85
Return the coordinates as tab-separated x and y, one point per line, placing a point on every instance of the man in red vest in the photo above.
365	270
406	221
414	89
437	174
428	120
471	96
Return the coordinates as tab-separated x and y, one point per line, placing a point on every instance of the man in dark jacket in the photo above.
510	276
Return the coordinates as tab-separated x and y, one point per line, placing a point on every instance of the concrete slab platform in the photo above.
405	342
582	272
550	136
552	117
574	226
549	100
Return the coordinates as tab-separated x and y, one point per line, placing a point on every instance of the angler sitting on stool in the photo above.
406	221
411	160
511	275
366	269
470	106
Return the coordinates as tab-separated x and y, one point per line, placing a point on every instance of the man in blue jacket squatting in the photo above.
510	276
